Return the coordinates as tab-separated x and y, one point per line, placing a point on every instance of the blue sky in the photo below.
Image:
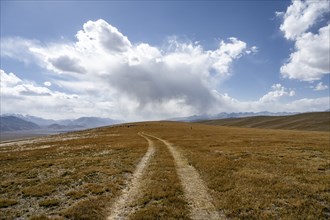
153	60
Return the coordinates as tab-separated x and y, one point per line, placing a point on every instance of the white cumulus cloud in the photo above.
19	96
99	35
300	16
310	59
320	86
106	75
103	62
47	83
277	91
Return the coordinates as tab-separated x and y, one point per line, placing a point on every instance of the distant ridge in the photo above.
313	121
222	115
12	123
92	122
18	122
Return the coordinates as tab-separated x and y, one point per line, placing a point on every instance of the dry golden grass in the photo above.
4	203
49	202
161	194
312	121
75	176
251	173
255	173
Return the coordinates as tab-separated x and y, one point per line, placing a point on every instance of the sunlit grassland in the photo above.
255	173
251	173
76	176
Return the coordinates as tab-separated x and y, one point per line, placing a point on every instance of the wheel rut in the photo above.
121	208
196	192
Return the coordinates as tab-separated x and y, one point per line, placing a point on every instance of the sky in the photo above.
150	60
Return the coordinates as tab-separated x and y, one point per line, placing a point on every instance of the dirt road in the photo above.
121	208
195	191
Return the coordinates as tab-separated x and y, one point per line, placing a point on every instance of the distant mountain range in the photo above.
12	123
17	122
223	115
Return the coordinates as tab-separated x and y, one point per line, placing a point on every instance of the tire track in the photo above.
196	192
121	208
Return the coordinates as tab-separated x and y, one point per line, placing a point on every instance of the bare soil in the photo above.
121	208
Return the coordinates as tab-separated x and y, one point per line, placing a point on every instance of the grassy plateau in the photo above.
249	173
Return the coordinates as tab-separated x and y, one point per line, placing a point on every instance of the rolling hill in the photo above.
222	115
314	121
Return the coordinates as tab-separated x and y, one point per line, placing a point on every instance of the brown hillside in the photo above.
315	121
